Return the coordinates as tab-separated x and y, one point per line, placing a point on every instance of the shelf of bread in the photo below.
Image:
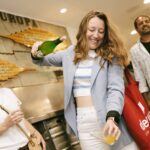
29	36
9	70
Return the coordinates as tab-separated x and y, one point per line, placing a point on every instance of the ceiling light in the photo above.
146	1
63	10
133	32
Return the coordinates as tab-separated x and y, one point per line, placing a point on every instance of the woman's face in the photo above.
95	32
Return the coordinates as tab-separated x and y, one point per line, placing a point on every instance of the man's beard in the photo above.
145	32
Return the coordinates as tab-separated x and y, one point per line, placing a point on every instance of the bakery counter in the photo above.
41	102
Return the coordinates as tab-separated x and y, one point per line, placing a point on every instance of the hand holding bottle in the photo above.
40	49
35	49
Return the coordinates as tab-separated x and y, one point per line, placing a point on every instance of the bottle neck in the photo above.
57	41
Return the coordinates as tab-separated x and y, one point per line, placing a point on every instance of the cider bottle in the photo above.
48	47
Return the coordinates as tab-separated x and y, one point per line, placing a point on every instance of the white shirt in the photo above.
141	65
13	138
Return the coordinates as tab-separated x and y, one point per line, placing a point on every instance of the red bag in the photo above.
136	114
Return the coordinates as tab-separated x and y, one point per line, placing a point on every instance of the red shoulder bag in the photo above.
136	113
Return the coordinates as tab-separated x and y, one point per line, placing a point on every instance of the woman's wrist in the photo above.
4	127
113	114
33	132
112	119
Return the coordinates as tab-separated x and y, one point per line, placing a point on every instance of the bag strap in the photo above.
24	132
129	76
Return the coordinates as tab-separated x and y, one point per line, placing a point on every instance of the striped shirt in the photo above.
82	78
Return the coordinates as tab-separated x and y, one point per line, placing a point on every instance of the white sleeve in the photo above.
138	73
12	99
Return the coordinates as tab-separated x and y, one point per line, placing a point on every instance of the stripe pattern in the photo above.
82	78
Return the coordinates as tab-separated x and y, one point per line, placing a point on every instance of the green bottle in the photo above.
48	47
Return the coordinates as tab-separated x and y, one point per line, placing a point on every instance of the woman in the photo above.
11	137
93	80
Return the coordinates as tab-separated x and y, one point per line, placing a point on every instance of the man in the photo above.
11	137
140	55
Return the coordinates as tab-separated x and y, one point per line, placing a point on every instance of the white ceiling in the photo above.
122	12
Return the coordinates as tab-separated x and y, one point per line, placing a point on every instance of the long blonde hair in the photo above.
111	46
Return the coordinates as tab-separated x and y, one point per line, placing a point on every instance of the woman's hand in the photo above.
39	138
35	48
112	128
13	118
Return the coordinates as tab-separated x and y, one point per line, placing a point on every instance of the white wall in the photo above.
72	34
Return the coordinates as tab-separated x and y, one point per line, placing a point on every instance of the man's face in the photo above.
143	25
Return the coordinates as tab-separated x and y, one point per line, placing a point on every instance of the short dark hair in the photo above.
135	21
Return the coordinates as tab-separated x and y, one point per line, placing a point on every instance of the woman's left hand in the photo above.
112	128
39	138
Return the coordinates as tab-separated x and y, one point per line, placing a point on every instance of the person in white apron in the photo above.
11	137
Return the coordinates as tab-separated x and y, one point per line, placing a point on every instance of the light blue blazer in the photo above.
107	89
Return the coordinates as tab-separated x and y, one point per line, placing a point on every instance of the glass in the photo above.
109	139
104	137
